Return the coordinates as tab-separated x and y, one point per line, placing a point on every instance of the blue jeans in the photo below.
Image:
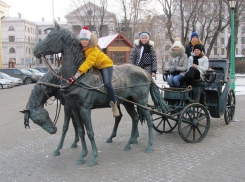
174	81
107	75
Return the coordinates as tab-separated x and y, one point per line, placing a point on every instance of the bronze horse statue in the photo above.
130	82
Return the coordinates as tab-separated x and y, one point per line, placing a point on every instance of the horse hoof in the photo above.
148	150
73	146
127	148
109	140
80	162
92	163
56	153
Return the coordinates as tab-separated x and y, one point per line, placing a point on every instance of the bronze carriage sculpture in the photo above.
190	108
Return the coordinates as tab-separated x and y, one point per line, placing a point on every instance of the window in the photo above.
40	31
243	40
17	72
119	58
222	40
29	50
215	51
28	39
28	30
223	51
11	28
243	51
11	50
236	50
40	40
11	38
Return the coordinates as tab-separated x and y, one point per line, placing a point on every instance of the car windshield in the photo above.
25	71
5	75
30	70
36	71
42	69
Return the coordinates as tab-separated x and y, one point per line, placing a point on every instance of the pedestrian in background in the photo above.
176	64
143	54
194	40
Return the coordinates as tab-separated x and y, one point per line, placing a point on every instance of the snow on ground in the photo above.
240	83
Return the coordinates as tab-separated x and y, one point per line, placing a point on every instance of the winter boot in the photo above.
114	109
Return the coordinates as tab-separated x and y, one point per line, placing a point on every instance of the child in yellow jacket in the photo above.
96	58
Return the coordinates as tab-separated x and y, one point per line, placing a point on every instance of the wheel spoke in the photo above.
159	123
188	134
186	127
199	131
203	125
194	134
169	124
156	119
187	121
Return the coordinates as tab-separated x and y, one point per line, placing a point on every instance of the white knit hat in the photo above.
177	42
85	33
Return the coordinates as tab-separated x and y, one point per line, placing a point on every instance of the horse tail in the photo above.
158	100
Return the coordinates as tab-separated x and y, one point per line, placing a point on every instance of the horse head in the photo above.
52	44
61	40
40	117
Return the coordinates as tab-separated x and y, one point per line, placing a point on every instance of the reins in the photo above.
58	106
97	89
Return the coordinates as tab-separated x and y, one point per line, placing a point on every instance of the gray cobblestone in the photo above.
26	154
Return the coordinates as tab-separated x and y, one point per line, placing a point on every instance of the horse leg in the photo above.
74	144
68	114
85	114
145	115
114	131
150	125
134	131
81	132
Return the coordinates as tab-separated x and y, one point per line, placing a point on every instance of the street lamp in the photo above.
232	4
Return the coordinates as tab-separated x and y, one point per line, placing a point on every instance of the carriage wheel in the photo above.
194	122
162	124
230	106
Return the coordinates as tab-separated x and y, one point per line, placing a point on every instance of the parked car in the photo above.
42	69
16	81
24	75
35	71
4	83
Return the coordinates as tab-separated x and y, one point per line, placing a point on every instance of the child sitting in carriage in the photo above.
97	59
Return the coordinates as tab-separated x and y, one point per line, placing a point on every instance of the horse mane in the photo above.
41	93
72	43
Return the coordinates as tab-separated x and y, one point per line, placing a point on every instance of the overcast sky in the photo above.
34	10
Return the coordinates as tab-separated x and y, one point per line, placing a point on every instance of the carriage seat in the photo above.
221	67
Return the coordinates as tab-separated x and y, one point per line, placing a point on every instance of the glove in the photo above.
72	80
172	69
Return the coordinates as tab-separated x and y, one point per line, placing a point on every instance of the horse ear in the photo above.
24	111
56	24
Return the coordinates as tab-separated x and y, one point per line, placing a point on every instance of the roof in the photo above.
50	23
104	42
